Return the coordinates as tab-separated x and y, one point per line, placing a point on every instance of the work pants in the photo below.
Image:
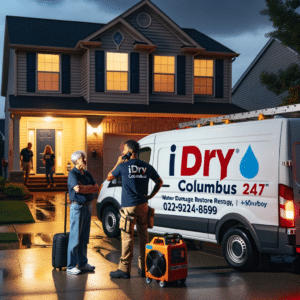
140	218
80	224
26	168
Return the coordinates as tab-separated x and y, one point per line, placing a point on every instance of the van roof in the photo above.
216	131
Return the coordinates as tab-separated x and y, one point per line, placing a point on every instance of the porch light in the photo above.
48	119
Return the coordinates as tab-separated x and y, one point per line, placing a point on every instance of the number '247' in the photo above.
253	189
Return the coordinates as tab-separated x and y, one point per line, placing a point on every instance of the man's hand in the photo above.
158	184
110	176
76	188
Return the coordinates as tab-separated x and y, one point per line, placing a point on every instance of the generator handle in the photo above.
172	238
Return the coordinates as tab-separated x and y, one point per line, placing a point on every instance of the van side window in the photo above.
116	182
145	154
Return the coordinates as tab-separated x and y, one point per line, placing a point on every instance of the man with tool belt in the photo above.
135	178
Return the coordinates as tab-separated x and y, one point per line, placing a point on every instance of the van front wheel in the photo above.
238	250
110	222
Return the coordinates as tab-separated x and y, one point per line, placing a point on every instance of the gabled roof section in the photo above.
48	33
170	22
257	58
120	20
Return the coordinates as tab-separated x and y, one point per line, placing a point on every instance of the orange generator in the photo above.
166	259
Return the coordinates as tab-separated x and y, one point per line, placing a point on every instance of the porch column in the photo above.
16	175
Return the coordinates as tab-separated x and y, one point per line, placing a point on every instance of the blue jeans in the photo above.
80	224
49	171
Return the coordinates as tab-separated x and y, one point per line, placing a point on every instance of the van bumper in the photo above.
274	240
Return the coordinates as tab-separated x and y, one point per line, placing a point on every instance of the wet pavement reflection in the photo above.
28	273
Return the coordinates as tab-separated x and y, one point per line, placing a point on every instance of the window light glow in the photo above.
164	74
117	71
48	119
203	72
48	72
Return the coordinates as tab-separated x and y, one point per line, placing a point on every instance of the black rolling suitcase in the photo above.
60	244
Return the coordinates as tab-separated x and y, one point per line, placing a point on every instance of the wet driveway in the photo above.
26	271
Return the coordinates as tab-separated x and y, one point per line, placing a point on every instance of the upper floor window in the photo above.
164	74
48	72
116	72
203	76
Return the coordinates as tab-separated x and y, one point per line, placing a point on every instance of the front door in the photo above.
44	137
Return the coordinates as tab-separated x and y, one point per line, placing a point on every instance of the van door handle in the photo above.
165	185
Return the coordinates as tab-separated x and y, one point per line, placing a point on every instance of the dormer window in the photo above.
203	76
117	72
48	72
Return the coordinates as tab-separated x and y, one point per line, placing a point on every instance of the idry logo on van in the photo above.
248	167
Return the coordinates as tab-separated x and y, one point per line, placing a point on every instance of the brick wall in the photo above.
123	125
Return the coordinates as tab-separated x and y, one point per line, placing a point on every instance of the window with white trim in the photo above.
48	72
203	76
117	72
164	74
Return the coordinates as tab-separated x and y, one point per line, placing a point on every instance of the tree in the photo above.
286	22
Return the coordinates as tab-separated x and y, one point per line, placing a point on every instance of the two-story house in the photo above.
90	86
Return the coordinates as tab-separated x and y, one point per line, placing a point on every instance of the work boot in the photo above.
119	274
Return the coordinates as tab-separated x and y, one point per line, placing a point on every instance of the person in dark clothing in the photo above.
26	161
49	163
135	178
81	186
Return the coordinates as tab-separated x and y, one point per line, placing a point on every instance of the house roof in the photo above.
206	42
66	34
48	33
73	105
256	59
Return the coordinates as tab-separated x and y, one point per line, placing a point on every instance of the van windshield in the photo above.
145	154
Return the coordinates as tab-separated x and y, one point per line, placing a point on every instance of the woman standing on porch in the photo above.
49	162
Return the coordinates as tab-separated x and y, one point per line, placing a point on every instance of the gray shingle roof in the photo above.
79	104
46	32
66	34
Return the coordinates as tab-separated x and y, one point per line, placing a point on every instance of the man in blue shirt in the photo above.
135	178
81	187
26	161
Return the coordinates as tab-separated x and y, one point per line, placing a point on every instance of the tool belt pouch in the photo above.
126	222
151	213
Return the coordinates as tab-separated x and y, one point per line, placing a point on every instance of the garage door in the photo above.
113	147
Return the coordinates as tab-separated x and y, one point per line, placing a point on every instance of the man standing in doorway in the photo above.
135	178
26	161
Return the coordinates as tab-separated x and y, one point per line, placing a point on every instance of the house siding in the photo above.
167	44
251	94
75	77
108	45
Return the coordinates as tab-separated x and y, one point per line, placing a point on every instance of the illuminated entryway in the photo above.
64	135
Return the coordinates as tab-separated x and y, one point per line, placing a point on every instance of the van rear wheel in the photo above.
238	250
110	222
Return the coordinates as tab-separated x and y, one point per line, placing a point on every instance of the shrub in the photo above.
16	190
3	181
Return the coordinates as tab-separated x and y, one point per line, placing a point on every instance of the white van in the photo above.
236	184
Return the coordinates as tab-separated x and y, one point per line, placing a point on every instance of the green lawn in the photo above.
8	237
14	212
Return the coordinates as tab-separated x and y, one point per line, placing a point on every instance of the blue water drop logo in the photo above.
249	164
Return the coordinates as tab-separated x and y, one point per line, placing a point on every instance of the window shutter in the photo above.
66	74
31	71
134	72
99	69
150	73
219	77
181	75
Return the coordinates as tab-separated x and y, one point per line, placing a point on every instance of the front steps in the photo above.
39	183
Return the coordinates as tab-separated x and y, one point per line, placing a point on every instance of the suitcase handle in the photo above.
65	225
